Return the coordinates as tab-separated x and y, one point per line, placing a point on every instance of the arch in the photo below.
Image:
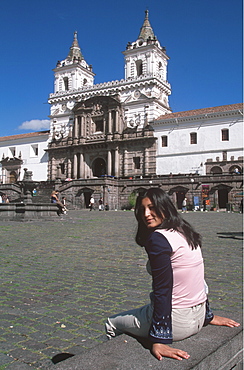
66	83
179	193
235	169
222	194
140	191
216	170
99	167
139	67
85	201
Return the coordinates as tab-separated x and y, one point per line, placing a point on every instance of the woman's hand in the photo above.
224	321
160	350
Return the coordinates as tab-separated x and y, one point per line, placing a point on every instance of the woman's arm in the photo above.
159	251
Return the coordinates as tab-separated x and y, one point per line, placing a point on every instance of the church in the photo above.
118	138
104	129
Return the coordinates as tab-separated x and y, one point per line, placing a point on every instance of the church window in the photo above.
84	81
225	134
66	83
164	141
62	168
99	125
137	163
193	138
139	67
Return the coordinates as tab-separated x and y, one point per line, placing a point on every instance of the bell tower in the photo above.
146	69
71	76
73	72
145	56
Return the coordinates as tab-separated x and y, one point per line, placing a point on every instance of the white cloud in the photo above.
35	125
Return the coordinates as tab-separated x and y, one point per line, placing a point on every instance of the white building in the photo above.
23	151
203	141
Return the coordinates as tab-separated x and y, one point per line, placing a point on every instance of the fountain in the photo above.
26	209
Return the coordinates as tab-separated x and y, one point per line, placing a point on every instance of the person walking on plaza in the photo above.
184	205
179	305
92	204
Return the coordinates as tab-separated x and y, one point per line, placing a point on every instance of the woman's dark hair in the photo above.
172	219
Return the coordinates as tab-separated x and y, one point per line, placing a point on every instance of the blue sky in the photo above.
203	39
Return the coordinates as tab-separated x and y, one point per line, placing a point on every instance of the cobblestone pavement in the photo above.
61	279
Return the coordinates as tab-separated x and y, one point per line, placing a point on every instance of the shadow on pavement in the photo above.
231	235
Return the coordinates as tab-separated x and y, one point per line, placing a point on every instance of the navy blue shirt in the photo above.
159	251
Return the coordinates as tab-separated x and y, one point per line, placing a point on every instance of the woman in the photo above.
55	199
179	306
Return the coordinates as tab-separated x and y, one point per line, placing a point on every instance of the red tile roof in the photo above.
24	136
198	112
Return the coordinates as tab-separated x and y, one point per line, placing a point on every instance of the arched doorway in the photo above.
237	170
82	197
221	192
223	197
99	167
179	193
216	170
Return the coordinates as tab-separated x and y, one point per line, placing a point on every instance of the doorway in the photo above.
99	167
223	197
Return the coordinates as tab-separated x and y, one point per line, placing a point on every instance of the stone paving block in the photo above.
5	359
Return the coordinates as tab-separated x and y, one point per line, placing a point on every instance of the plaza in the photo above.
61	279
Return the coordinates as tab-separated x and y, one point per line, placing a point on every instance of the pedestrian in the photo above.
184	205
241	206
101	205
55	199
64	205
92	204
179	306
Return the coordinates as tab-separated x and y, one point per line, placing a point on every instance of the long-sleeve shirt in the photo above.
178	279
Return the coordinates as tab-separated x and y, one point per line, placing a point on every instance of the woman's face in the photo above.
149	215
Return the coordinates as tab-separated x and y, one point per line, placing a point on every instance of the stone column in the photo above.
83	128
116	121
109	163
104	125
81	165
116	162
75	133
125	162
75	166
53	169
146	163
69	168
109	122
